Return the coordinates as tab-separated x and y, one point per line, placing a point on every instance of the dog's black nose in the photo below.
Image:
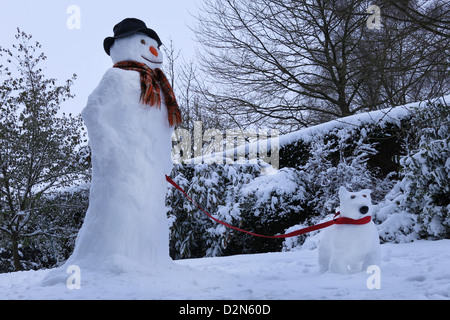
364	209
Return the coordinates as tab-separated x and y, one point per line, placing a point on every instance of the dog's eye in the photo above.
364	196
353	196
143	41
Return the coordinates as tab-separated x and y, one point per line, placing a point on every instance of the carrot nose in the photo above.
154	51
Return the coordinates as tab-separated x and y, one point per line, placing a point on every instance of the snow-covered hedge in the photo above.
419	205
400	153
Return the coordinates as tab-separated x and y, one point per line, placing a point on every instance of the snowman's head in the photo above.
355	205
137	47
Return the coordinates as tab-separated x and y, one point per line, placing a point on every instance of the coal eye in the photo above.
364	196
353	196
143	41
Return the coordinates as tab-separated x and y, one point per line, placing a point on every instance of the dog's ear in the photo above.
342	192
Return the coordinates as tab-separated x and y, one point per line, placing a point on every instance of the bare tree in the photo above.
404	61
172	56
295	63
432	16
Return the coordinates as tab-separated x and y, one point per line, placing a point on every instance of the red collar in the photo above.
345	220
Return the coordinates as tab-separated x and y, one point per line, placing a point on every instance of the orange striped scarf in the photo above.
152	82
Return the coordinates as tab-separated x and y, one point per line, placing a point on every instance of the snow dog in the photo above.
347	248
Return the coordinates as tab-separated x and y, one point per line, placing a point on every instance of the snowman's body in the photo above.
350	248
126	221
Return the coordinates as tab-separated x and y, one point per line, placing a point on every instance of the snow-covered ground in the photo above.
419	270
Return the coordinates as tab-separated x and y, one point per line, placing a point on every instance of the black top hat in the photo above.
128	27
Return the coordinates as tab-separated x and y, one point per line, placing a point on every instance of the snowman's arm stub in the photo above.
104	112
109	91
110	95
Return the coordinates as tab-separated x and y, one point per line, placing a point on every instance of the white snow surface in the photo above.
418	270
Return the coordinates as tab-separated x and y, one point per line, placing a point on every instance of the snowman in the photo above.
347	248
130	118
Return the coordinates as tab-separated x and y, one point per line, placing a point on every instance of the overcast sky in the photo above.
80	50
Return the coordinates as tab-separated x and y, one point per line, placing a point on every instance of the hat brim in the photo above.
109	41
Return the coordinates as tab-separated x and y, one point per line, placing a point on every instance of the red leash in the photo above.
342	220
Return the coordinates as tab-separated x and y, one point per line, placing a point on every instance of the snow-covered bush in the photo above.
213	187
229	210
269	205
418	205
395	222
426	171
338	159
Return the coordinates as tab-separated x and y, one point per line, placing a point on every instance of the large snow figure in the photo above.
130	118
348	248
